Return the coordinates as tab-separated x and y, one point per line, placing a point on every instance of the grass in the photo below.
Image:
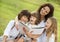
10	8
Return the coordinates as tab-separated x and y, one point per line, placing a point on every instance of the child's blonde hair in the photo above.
53	28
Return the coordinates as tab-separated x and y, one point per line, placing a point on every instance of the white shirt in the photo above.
43	38
11	32
36	31
42	24
52	38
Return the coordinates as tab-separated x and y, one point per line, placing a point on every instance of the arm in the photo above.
7	31
30	34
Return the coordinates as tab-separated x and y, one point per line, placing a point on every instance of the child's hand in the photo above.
24	29
31	31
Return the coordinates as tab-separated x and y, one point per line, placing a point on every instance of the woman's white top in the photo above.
11	32
42	24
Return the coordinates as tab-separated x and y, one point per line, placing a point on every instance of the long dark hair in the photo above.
50	14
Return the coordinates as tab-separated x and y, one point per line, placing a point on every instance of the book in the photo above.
37	30
21	26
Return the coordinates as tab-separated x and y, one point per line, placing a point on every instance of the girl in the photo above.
50	32
34	21
11	31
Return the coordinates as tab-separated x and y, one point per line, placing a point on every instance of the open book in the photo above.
21	26
37	30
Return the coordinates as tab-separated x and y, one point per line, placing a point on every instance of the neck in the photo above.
42	17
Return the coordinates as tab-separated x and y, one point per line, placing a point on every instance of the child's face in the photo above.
48	24
32	20
24	19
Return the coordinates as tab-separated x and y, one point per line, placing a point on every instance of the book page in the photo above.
21	26
36	30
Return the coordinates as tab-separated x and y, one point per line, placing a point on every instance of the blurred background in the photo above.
10	8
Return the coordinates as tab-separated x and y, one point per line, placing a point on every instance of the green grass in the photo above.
10	8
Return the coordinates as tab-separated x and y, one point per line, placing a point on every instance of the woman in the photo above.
45	11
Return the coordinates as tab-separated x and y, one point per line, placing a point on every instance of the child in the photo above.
11	31
34	21
50	32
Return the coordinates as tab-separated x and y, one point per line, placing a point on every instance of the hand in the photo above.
31	31
24	29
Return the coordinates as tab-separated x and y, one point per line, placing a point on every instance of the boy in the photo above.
11	31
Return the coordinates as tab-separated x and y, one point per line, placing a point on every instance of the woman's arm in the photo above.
30	34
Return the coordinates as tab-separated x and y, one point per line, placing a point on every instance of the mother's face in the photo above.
45	10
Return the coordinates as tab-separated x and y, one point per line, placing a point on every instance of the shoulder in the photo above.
11	22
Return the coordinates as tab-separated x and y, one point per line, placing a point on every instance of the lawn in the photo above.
10	8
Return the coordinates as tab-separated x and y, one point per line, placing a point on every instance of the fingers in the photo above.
24	29
31	31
